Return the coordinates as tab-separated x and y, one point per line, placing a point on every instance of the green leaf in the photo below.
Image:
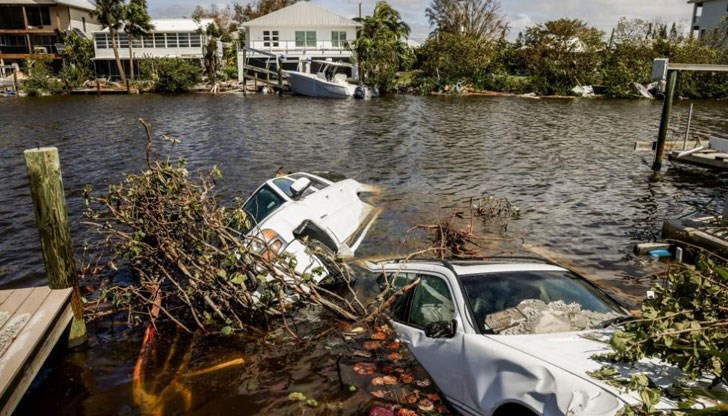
226	330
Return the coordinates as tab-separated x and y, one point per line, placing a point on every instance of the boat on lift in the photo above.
331	81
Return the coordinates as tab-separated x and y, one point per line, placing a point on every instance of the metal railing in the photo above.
291	45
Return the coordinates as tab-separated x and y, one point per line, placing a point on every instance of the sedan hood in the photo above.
573	352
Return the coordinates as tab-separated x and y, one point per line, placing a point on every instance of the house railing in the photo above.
292	45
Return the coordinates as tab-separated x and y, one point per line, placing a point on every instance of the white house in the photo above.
171	38
708	15
297	32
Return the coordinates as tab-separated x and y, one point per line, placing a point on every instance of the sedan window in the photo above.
431	302
262	204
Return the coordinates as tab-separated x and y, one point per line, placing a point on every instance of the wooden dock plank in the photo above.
13	303
50	314
4	295
22	316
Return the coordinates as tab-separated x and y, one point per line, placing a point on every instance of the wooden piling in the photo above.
665	119
280	77
245	63
51	218
15	81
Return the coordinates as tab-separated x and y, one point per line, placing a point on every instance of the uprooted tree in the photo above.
191	262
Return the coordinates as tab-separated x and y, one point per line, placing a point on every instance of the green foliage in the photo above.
380	47
467	42
170	74
77	67
685	324
40	79
457	57
223	31
561	54
137	22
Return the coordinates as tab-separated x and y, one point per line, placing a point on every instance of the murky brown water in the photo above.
568	164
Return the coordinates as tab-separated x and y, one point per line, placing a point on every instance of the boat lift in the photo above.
273	79
666	73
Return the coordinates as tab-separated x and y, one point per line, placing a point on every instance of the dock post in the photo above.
245	63
255	82
15	82
665	119
280	77
687	128
51	218
724	218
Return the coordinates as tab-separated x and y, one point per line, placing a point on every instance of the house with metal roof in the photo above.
708	15
295	34
32	27
171	38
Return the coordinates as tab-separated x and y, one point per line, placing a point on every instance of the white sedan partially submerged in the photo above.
295	212
505	337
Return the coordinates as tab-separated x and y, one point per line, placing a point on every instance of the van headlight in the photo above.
271	245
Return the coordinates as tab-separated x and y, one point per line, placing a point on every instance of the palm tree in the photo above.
137	23
110	14
380	46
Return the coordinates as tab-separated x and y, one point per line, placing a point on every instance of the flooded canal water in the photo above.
568	164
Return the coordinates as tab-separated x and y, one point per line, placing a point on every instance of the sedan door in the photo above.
443	358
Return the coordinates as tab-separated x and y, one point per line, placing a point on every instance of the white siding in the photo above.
287	41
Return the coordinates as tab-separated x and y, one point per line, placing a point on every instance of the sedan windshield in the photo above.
504	300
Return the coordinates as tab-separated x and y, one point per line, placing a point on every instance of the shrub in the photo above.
40	77
170	74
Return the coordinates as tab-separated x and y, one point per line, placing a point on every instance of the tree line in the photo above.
469	44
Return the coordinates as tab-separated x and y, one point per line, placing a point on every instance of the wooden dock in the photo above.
32	320
705	231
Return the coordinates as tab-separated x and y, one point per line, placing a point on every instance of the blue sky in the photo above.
603	14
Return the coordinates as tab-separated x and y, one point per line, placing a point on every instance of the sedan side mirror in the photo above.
299	186
441	329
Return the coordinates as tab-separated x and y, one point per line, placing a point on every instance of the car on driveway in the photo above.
507	336
297	212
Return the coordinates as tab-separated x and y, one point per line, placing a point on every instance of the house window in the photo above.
123	40
338	39
102	41
136	42
171	40
159	40
12	18
38	16
148	41
270	38
184	40
83	20
306	39
195	41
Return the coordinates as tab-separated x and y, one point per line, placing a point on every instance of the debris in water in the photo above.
534	316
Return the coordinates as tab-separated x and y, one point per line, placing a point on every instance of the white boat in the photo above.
330	82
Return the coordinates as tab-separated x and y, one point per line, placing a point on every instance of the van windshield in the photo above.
262	204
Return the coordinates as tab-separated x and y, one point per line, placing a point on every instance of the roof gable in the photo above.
301	14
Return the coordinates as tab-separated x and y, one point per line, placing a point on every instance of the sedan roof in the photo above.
470	268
